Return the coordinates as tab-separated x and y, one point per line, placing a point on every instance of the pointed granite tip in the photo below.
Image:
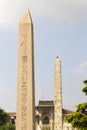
26	18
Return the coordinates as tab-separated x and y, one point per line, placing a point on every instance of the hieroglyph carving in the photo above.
24	83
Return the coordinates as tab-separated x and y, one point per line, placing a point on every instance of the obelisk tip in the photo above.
26	18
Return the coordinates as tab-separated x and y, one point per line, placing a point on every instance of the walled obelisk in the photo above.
25	89
58	96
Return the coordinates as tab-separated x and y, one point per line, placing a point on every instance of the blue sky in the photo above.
60	28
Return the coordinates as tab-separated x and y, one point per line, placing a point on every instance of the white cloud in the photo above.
69	10
81	70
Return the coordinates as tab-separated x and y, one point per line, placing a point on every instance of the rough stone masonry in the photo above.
58	96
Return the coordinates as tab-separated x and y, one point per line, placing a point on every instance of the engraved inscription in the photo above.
24	84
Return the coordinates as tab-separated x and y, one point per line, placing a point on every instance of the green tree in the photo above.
85	88
45	127
4	117
78	119
8	126
5	121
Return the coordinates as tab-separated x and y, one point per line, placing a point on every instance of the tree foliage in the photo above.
85	88
45	127
4	117
5	121
8	126
78	119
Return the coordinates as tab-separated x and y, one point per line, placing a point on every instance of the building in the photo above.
44	116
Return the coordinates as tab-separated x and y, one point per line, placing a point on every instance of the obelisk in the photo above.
25	85
58	96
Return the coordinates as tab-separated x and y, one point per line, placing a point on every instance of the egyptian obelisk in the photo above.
58	96
25	86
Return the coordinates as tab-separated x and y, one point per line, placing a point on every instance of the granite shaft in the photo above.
25	86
